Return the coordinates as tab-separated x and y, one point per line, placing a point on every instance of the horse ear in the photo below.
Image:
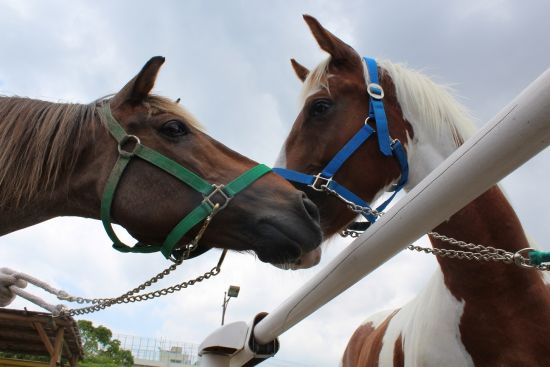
137	89
338	49
300	70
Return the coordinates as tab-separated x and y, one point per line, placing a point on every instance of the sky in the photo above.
229	63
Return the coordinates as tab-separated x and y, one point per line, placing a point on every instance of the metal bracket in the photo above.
218	189
320	183
233	345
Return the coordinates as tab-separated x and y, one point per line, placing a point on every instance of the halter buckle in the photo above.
125	140
218	189
320	183
375	91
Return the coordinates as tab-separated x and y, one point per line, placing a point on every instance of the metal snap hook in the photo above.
521	260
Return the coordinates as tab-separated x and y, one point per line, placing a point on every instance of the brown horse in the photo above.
55	160
483	314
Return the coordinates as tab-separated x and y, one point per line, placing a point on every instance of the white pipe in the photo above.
517	133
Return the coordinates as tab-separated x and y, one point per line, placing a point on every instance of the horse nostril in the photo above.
310	208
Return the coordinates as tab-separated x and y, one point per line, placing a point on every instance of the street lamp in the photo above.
233	291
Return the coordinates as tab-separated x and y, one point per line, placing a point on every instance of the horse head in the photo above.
144	162
335	106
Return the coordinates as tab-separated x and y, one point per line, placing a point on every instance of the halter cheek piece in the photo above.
216	197
324	180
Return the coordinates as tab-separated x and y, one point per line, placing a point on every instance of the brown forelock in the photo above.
39	142
363	349
506	319
313	142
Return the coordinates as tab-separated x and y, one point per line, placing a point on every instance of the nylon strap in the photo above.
351	146
539	257
294	176
173	168
386	146
202	211
244	180
376	108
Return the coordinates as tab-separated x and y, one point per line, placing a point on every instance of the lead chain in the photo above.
474	252
131	296
101	304
351	205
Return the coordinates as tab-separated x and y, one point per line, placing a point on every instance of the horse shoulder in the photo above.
365	344
424	332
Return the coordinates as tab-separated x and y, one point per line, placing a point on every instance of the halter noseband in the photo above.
204	211
324	180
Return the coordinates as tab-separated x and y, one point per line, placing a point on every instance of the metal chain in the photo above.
480	253
351	205
132	296
350	233
474	252
101	304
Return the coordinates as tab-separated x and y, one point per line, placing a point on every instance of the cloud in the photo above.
229	62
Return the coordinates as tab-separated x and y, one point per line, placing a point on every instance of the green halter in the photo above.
207	208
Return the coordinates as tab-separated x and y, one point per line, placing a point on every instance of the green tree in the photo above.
100	349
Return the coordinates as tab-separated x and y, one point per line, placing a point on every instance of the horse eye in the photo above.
320	107
174	128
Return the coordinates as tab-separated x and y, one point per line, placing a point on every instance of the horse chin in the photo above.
307	260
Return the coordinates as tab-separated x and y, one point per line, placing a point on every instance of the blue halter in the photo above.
323	181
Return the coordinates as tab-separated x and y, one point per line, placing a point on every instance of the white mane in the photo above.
430	108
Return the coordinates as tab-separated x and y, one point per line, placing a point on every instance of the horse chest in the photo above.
429	329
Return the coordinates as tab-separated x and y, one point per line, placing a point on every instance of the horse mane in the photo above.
429	107
40	140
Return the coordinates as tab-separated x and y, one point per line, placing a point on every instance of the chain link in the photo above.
480	253
131	296
472	251
351	205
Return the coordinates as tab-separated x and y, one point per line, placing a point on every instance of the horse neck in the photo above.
488	220
62	198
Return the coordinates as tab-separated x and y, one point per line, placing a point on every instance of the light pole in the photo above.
233	291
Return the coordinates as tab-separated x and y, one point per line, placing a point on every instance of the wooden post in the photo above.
43	337
58	346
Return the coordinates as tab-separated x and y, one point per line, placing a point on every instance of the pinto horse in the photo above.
59	159
483	314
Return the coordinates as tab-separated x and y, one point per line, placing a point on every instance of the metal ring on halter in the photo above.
375	90
218	189
367	120
324	181
522	261
123	141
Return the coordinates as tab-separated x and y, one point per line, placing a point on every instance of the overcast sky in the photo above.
229	63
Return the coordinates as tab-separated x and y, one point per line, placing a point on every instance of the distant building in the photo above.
159	352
